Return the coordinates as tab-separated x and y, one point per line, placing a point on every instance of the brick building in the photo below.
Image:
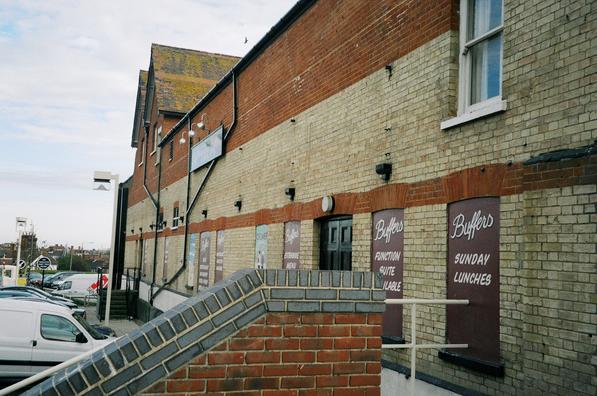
450	146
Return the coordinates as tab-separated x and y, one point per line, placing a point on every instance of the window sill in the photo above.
482	366
152	153
491	108
174	228
140	164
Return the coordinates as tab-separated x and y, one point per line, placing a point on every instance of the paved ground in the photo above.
120	326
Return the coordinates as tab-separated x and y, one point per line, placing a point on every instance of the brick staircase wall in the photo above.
326	322
288	354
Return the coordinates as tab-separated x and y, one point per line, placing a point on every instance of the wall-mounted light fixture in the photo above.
151	226
239	204
327	203
201	124
181	219
140	230
389	70
204	213
132	230
384	171
164	224
290	191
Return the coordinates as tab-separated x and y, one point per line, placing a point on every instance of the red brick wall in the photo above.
289	354
332	46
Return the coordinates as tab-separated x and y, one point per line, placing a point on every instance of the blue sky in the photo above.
68	75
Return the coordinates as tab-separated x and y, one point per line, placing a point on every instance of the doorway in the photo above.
336	244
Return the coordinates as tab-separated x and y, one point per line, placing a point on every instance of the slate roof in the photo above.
183	76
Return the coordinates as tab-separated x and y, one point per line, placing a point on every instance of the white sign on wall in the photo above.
207	149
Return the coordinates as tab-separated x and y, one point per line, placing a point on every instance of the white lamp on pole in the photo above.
103	180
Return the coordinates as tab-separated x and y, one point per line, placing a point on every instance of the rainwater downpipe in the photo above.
190	205
156	227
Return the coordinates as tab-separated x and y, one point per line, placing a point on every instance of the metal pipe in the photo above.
155	235
112	252
191	205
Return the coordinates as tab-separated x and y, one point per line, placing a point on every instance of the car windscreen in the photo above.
93	332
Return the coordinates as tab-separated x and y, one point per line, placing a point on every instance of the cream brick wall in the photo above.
547	238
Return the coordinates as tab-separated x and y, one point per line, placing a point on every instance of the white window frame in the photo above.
175	217
466	111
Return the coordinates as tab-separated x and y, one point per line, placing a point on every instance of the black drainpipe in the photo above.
191	205
157	217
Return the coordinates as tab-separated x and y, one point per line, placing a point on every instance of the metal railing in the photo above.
413	332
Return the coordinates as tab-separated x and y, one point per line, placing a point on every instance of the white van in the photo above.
79	285
35	335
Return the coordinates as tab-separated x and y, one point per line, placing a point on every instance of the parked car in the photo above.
105	330
41	335
17	295
35	279
79	285
59	276
35	292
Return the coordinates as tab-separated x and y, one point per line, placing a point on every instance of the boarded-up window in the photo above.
473	274
387	258
292	244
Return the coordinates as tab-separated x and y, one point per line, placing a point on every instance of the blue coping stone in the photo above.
357	279
245	285
276	306
189	316
378	295
218	336
113	353
347	279
223	297
336	278
304	306
337	306
94	392
212	304
89	371
228	314
101	364
303	278
234	291
315	278
201	310
147	379
281	281
120	392
322	294
292	277
166	330
250	316
159	356
287	294
367	280
255	278
195	335
378	280
47	388
271	277
141	343
325	279
77	382
355	295
183	357
253	299
121	378
63	388
154	337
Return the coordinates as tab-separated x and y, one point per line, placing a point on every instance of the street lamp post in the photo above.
104	178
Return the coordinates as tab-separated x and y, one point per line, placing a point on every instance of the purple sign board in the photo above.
292	244
473	274
204	249
219	273
387	258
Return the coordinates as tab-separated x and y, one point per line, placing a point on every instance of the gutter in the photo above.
295	12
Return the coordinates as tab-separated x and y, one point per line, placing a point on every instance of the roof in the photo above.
278	29
182	76
139	106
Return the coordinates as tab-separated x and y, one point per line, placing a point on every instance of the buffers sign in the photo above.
386	258
473	274
292	244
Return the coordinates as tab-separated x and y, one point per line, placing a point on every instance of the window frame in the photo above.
467	111
41	332
175	217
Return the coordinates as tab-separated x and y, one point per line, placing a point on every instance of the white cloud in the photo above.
68	83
